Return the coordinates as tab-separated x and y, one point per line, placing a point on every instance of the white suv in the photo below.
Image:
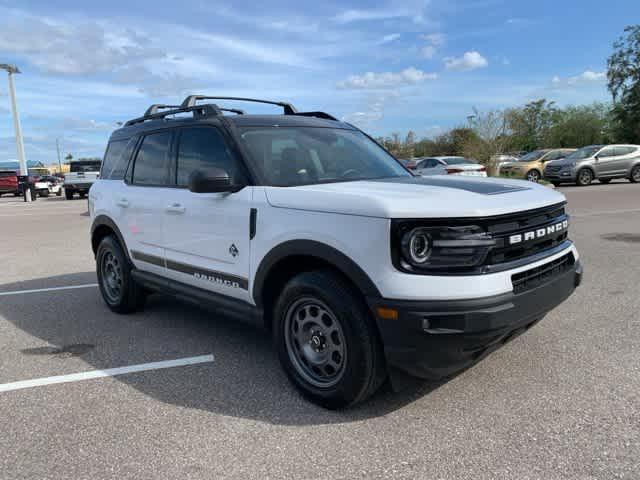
305	225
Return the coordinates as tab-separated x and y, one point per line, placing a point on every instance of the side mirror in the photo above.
211	180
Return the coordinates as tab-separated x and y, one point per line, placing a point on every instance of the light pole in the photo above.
11	70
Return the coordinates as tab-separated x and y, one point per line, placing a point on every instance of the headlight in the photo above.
416	245
420	248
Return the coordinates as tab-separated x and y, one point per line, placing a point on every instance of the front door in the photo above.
605	162
207	234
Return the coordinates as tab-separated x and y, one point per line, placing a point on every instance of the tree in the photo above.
623	75
577	126
68	158
530	125
490	138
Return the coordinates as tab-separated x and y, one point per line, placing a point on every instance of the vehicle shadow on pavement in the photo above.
245	380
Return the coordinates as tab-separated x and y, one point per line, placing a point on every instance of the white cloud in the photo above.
414	11
374	110
428	51
434	42
384	80
469	61
74	49
435	39
392	37
585	78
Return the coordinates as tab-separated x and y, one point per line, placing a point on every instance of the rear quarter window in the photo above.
116	159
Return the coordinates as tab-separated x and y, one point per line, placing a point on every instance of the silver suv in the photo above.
602	162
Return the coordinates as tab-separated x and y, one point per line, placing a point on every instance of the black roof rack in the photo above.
191	101
208	109
198	111
232	110
153	109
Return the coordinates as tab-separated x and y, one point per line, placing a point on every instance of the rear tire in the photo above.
44	193
59	192
68	195
556	184
635	174
82	195
326	340
118	288
585	177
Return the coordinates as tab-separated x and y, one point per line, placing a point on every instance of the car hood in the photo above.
417	197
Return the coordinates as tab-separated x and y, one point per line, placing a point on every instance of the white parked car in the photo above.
450	166
48	185
358	270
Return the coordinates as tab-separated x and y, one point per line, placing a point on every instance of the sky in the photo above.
387	67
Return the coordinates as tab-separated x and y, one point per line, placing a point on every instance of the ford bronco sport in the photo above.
305	225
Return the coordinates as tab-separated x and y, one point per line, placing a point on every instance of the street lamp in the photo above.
11	71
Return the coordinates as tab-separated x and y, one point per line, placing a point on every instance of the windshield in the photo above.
583	153
532	156
85	166
309	155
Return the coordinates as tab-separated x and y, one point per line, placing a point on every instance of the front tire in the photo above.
533	176
585	177
635	174
327	341
119	290
68	194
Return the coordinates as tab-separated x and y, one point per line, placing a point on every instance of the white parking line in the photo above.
52	289
111	372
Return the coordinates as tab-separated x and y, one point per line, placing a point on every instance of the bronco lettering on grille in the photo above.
539	233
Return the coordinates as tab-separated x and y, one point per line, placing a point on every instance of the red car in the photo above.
9	183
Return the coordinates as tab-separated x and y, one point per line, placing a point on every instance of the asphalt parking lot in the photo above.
561	401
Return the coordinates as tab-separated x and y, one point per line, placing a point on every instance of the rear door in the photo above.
624	158
139	202
207	234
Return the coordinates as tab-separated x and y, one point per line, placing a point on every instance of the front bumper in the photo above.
560	176
436	339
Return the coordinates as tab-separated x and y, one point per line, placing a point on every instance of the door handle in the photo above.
123	202
175	208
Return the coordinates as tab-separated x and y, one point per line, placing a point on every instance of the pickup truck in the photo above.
82	174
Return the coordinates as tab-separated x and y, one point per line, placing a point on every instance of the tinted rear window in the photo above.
116	159
152	161
89	166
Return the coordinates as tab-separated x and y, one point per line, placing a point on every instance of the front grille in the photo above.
530	279
552	169
503	228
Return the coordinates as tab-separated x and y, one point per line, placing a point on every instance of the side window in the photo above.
200	148
607	152
116	159
624	150
554	155
152	161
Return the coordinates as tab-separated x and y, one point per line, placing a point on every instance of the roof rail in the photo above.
206	110
158	106
324	115
233	110
191	101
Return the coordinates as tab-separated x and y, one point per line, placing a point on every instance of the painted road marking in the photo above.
52	289
111	372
